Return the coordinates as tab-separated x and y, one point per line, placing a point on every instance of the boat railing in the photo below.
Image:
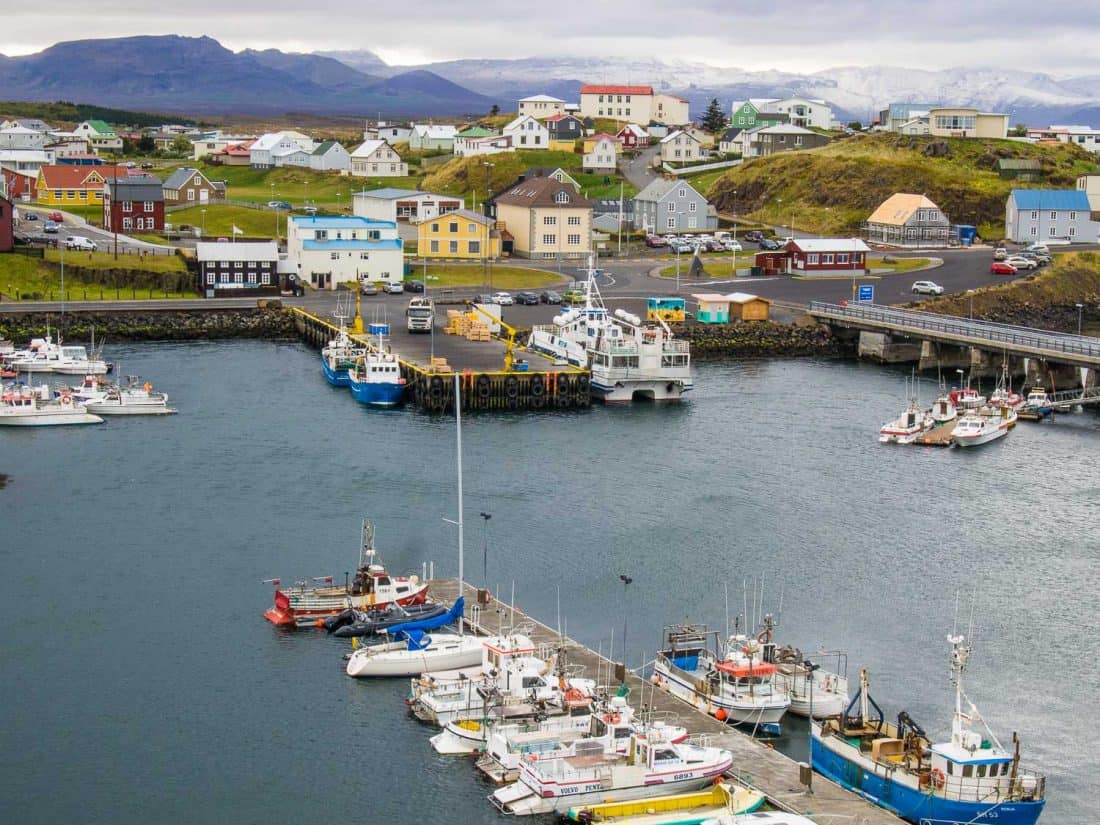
1025	786
675	345
700	740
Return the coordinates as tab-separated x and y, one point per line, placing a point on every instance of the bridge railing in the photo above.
965	328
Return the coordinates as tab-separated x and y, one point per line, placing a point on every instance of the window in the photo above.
549	220
1054	216
811	258
1035	215
523	140
334	256
671	224
452	227
574	220
1034	231
842	258
798	140
693	206
549	239
252	278
238	277
827	257
452	247
471	228
265	278
574	240
1072	231
127	223
671	206
981	771
474	247
434	246
374	235
693	222
950	768
682	193
84	194
1052	231
968	770
435	227
190	194
677	152
71	195
364	256
561	197
1073	216
320	235
148	206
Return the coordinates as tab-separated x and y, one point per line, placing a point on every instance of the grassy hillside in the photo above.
464	176
833	189
63	112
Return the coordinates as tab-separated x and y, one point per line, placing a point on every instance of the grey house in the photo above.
1039	215
670	205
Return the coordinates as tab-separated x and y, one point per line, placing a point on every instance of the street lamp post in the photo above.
203	213
485	547
733	262
1080	313
626	580
677	269
485	247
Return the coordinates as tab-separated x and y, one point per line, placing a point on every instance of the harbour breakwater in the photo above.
265	321
764	339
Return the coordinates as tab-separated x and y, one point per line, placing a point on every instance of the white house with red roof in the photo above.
633	104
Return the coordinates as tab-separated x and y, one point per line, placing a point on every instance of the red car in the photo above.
56	217
655	241
1001	268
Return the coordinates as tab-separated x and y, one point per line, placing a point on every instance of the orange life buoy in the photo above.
938	779
613	718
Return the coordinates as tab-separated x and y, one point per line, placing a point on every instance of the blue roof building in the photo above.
329	250
1044	215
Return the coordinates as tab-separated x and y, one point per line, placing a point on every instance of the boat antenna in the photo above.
745	595
779	615
761	597
726	588
558	600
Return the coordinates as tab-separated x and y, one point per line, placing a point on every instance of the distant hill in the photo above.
62	111
833	189
198	74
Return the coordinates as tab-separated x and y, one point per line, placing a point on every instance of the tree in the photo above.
146	145
1020	130
495	110
855	126
181	146
714	119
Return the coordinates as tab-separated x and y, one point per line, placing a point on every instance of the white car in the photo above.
927	288
395	288
81	243
1021	262
505	299
732	246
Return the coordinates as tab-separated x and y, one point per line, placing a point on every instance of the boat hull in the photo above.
978	440
626	390
304	609
49	419
377	394
460	738
446	653
765	714
121	408
336	377
911	803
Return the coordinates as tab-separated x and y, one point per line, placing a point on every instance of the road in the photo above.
76	225
638	170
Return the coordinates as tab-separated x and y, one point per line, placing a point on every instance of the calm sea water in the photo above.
141	683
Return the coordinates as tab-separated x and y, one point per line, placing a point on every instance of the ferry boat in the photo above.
375	376
372	588
707	807
590	775
629	359
737	686
136	398
969	779
22	406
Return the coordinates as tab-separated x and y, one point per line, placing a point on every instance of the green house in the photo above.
748	114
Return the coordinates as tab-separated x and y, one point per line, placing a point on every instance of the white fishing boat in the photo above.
1003	395
628	358
40	356
136	398
75	360
969	779
469	736
975	428
815	690
907	427
22	406
612	724
591	775
732	682
943	410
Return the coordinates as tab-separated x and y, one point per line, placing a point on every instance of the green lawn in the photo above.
107	260
503	277
898	264
28	278
221	218
296	185
716	266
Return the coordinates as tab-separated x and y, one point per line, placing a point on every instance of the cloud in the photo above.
751	34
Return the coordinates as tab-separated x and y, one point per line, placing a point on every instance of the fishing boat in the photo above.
975	428
628	359
907	427
734	682
591	775
75	360
22	406
692	808
814	690
375	376
970	778
338	356
40	356
613	724
943	410
471	736
352	623
136	398
966	399
1003	395
372	588
1037	405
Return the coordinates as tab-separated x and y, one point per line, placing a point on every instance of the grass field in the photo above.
296	185
897	264
502	277
717	266
221	218
27	278
106	260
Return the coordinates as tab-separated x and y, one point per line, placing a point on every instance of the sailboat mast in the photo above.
458	450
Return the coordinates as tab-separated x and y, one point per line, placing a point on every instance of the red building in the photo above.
134	204
19	184
815	256
633	136
7	225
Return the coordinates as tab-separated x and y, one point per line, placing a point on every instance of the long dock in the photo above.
755	764
485	385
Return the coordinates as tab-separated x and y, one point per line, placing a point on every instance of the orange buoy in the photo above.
319	623
720	714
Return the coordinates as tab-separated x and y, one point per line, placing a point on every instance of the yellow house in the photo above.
569	145
460	234
65	185
591	141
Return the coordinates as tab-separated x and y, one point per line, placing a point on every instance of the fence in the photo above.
703	167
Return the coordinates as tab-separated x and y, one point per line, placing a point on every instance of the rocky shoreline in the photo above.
763	339
272	323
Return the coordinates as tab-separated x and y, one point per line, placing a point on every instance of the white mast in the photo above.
458	450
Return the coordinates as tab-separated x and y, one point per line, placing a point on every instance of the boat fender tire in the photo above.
562	401
582	383
938	779
511	402
565	386
537	402
511	387
436	387
536	386
484	387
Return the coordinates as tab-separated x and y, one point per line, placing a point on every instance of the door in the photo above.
204	196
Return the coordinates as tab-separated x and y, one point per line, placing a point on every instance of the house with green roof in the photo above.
100	135
329	155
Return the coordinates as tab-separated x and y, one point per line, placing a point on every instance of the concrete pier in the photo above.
755	764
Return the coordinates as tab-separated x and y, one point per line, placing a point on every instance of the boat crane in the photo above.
509	357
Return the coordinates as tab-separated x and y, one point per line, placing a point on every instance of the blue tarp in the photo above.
417	639
407	628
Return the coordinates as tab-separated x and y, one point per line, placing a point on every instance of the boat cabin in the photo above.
972	769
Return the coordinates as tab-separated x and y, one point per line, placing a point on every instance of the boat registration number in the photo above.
681	776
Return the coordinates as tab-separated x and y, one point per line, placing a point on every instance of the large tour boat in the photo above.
629	359
969	779
372	588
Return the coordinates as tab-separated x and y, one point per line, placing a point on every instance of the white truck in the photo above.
420	315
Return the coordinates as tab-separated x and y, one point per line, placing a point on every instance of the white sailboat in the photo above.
419	652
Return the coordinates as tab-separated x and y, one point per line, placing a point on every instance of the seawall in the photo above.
763	339
154	324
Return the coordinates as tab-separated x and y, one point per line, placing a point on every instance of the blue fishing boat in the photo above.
970	779
338	356
375	376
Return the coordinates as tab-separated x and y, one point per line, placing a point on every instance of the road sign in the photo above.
866	293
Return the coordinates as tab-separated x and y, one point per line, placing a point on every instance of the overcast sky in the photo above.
796	36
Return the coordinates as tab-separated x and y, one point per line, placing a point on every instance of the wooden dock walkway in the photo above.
941	436
755	764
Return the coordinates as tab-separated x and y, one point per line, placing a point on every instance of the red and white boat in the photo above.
372	588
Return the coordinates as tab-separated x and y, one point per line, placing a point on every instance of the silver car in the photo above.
927	288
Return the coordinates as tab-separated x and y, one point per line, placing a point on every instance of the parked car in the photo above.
413	285
1041	258
483	298
29	216
527	298
1037	247
368	288
1000	253
1020	262
732	246
505	299
927	288
754	235
549	296
81	243
680	246
655	241
56	217
278	205
49	227
573	296
714	246
395	288
1002	268
310	210
768	243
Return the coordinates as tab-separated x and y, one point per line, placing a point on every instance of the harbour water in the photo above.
141	683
